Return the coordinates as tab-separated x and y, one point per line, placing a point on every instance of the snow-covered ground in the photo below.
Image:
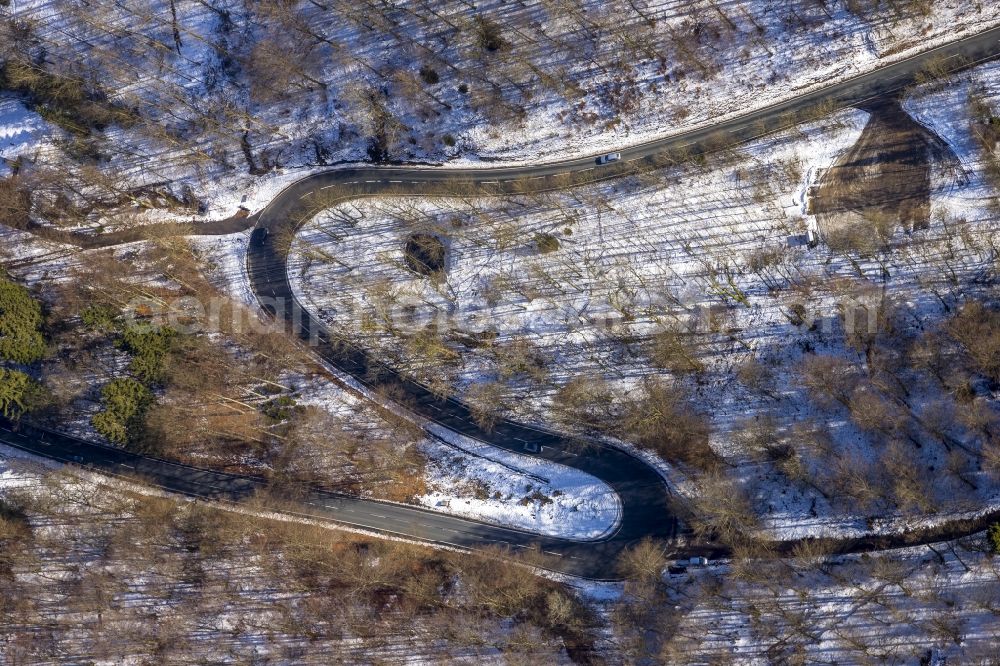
465	477
21	132
945	109
634	256
707	248
518	491
574	79
119	575
928	605
685	246
934	604
629	252
224	258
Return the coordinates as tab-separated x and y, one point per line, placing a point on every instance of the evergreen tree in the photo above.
125	403
19	393
21	338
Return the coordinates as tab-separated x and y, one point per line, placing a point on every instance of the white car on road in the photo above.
609	158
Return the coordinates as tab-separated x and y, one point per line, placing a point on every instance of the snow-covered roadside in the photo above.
475	480
945	109
369	254
830	609
467	478
80	523
224	258
842	609
33	259
480	481
345	260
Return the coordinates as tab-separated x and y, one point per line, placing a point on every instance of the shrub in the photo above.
15	204
829	379
520	358
934	70
21	338
425	254
149	349
722	510
429	75
125	403
546	243
993	536
584	400
100	317
486	401
448	140
977	330
872	412
62	100
489	35
673	351
644	562
280	409
664	420
19	394
14	527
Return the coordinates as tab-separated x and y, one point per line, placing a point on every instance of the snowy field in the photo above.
632	255
539	291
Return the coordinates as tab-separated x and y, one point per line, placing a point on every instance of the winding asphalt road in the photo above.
644	497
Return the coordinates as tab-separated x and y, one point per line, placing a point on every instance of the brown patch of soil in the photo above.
882	182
